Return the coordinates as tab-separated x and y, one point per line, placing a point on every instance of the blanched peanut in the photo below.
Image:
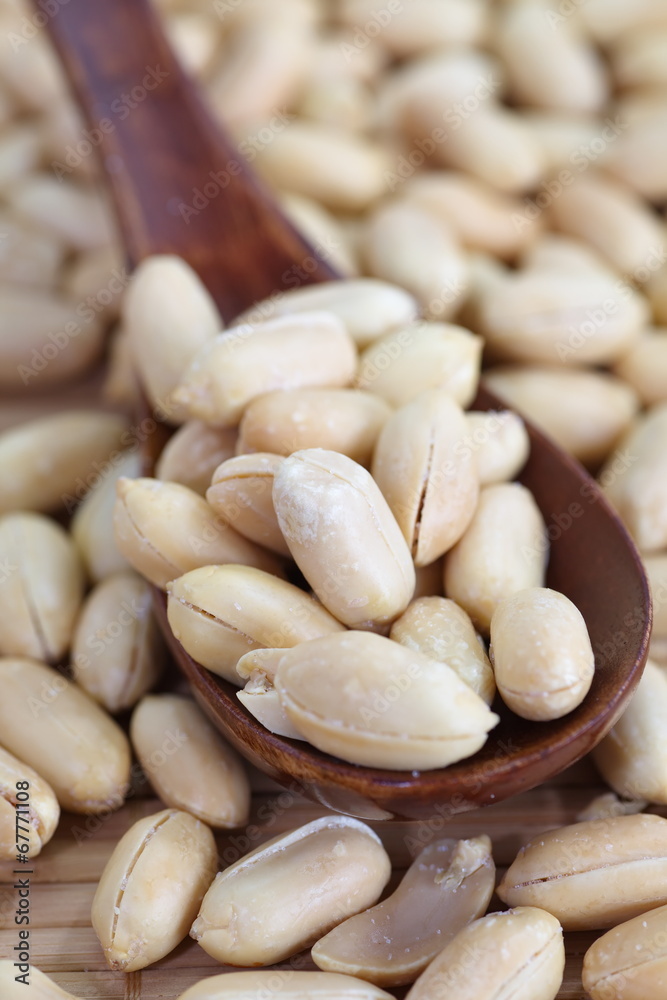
644	366
349	104
628	962
151	887
46	460
43	340
121	385
547	67
423	24
639	490
40	986
322	229
426	474
481	217
612	218
194	38
632	758
284	353
263	69
367	307
441	630
262	700
373	702
500	443
608	804
343	171
164	530
516	953
168	316
193	453
219	613
593	874
41	587
448	884
29	258
599	407
541	653
557	252
343	537
20	152
260	661
31	74
504	550
420	98
287	893
92	524
292	986
202	774
344	420
100	274
608	20
638	158
70	212
55	727
241	492
639	58
562	318
404	243
495	145
33	816
117	649
405	362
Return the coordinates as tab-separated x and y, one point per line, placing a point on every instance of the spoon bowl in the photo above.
157	159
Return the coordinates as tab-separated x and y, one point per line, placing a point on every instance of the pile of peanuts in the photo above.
276	391
488	176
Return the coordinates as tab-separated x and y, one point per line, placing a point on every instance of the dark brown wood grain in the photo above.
243	249
179	185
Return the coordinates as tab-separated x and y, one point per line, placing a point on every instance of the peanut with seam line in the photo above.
151	887
165	529
218	613
241	492
285	894
38	821
593	874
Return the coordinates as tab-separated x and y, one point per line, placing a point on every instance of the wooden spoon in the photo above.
179	186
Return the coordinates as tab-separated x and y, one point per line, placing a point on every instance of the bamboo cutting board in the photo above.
64	945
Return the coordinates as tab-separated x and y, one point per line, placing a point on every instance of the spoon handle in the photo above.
178	183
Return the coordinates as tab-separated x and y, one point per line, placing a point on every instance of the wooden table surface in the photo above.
63	943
